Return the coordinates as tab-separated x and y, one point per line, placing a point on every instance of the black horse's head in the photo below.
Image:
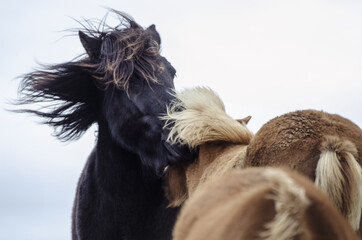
123	84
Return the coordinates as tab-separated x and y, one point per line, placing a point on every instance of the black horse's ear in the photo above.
91	45
151	30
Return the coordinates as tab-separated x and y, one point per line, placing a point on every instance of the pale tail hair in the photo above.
338	174
198	116
291	203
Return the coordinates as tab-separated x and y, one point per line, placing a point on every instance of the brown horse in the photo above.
325	147
258	203
307	136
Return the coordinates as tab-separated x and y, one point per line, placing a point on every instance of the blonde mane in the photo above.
338	174
291	203
198	116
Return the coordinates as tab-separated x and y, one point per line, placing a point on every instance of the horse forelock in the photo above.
126	50
125	53
198	116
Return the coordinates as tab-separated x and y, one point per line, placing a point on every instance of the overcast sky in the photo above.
263	58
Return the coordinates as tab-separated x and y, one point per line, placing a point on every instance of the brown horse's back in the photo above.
299	134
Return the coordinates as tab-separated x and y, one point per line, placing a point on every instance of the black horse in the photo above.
123	85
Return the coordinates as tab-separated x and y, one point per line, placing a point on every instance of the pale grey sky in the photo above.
264	58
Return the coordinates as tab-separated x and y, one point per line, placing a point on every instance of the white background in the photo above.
264	58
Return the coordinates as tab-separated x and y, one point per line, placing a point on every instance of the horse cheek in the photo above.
151	149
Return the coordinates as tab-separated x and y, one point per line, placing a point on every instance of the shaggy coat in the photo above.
324	147
260	203
122	84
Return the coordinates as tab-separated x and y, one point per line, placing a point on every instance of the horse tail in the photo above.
338	174
291	203
198	116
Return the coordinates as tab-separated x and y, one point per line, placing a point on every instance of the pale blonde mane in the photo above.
340	182
291	203
198	116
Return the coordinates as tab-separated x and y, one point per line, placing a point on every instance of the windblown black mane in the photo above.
67	105
123	85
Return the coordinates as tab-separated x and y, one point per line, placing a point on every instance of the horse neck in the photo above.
215	159
225	154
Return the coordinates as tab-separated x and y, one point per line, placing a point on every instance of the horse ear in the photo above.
244	120
151	30
175	184
91	45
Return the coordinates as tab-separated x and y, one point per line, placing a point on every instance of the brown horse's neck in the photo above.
215	159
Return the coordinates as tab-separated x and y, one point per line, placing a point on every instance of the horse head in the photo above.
122	83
